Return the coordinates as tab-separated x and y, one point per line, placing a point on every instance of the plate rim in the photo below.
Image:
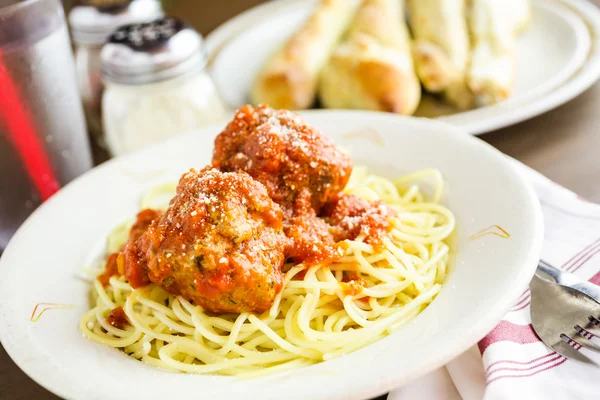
485	324
524	109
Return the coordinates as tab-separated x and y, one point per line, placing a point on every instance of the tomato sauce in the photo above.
272	194
117	318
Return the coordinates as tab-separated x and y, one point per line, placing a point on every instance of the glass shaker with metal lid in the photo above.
92	22
156	85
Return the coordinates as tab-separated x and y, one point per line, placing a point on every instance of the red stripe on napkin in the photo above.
539	362
596	279
511	362
556	362
507	331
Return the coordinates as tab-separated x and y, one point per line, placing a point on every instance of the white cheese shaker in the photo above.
156	85
91	25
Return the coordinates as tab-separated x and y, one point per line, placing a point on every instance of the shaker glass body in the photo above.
136	116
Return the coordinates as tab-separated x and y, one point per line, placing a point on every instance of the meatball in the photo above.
350	216
219	244
310	239
277	148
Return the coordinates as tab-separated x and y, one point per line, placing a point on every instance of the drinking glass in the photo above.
43	139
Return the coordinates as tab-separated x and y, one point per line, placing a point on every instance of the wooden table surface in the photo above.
562	144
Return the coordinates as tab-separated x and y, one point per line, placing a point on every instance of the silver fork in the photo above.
561	314
564	278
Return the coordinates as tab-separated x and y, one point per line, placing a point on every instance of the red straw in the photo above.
22	134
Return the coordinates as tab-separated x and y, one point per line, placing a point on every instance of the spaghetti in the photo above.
323	311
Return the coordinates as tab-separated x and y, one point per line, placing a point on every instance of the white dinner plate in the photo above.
42	265
558	58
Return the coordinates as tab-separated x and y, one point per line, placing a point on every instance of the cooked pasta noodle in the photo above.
316	317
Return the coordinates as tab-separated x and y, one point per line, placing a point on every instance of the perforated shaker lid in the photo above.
151	52
93	21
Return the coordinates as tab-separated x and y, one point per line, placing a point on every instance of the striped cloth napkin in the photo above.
511	362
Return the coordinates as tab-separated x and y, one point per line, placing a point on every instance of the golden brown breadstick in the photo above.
289	79
441	49
373	68
494	25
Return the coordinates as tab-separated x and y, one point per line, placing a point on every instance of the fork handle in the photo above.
567	279
549	270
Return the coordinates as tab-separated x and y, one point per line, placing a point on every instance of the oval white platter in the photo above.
558	58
